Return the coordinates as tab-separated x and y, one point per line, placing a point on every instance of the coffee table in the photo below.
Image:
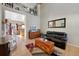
45	45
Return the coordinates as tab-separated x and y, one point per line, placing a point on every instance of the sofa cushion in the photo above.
55	40
60	38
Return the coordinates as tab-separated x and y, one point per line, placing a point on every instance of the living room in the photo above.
39	23
57	11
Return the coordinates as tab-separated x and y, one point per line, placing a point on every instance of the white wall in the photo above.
0	19
32	20
57	11
0	23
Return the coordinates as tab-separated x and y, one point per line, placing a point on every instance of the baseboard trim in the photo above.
73	45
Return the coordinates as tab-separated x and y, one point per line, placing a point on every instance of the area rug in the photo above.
40	54
43	54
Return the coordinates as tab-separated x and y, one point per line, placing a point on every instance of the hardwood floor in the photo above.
21	50
71	50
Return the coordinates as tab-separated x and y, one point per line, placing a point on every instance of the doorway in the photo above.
13	27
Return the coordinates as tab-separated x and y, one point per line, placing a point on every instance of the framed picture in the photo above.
50	24
58	23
